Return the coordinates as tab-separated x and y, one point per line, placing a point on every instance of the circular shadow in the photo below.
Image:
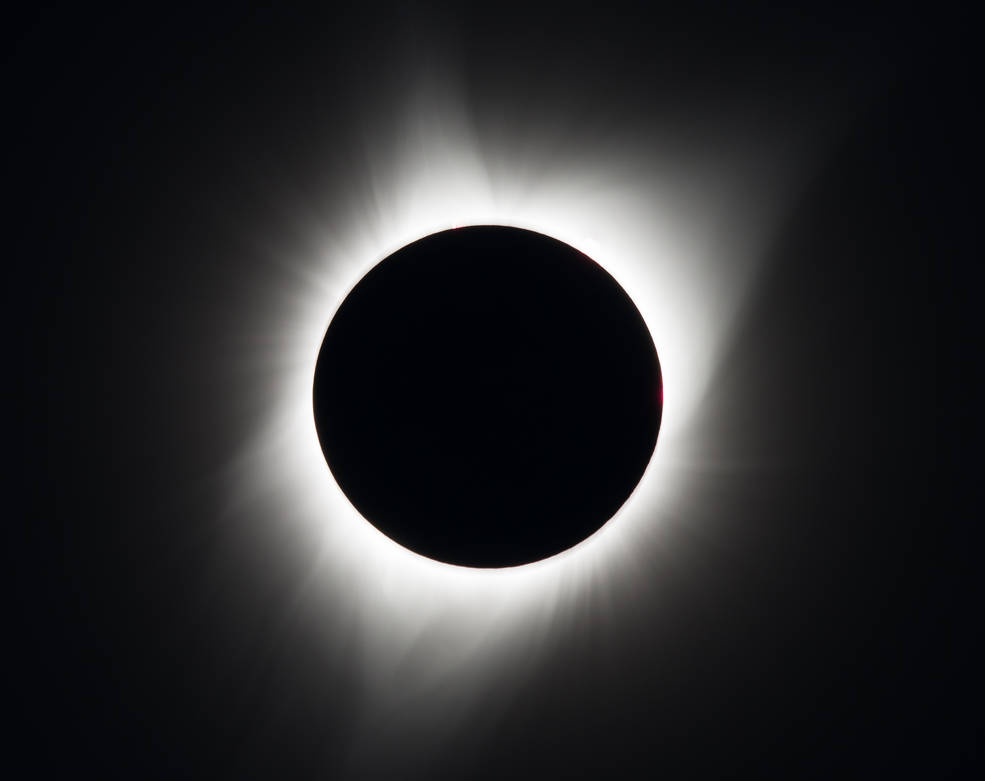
487	396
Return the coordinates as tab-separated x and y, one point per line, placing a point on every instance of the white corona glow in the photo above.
677	224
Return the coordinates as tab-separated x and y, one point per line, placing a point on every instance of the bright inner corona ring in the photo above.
680	238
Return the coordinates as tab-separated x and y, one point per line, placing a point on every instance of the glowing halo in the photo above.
680	236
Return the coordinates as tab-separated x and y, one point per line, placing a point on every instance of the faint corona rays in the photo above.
676	227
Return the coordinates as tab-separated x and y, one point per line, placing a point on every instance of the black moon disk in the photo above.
487	396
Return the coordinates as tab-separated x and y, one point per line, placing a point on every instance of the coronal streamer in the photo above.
679	219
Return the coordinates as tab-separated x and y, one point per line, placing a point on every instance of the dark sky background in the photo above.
816	616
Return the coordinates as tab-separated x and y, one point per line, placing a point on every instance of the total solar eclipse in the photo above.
487	396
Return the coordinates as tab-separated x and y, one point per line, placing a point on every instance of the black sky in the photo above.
818	613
